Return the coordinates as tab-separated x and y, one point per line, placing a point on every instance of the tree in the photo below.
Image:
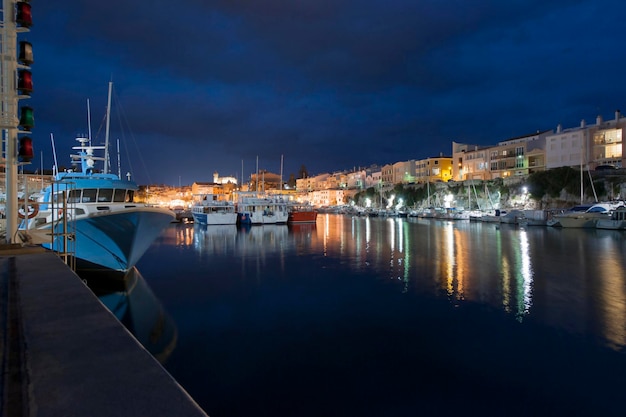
292	181
303	173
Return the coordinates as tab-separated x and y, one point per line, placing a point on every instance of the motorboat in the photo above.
301	213
209	209
93	216
616	222
590	217
539	217
503	216
261	209
553	221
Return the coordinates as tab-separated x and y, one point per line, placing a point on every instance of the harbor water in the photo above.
356	316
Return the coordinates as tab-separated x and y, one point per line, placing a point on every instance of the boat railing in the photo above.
63	230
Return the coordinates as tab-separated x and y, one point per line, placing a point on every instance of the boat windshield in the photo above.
597	209
99	195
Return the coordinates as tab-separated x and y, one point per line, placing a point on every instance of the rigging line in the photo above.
122	114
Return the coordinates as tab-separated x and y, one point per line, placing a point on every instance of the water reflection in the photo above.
134	304
570	279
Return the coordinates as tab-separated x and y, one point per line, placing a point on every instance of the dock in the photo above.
63	353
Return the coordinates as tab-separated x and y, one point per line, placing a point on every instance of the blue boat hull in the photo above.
114	240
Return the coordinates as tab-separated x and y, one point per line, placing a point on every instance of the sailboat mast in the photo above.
106	134
582	191
119	164
281	173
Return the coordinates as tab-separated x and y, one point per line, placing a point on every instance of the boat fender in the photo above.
33	210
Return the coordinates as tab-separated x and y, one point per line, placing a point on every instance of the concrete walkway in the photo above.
64	354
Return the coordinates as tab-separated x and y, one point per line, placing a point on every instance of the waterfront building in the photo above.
511	157
386	177
373	176
588	145
517	156
567	147
404	172
223	180
330	197
314	183
434	169
356	179
607	147
470	162
264	181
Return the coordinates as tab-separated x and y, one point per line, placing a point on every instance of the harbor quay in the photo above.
64	353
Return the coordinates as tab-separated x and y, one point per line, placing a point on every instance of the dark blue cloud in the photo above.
204	85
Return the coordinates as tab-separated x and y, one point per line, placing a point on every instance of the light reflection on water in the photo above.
572	279
419	317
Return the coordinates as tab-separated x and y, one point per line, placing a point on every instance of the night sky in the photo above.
202	85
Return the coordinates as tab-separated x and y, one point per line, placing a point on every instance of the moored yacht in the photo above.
590	217
616	222
253	208
210	210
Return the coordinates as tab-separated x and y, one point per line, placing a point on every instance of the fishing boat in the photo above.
93	215
210	210
301	213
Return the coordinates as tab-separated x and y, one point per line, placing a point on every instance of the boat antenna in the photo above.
89	121
54	155
106	135
42	186
281	173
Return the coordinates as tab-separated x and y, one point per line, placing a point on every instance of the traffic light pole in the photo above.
8	119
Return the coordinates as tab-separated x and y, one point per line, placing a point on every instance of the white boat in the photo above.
491	216
589	218
553	221
210	210
503	216
253	208
93	216
455	213
616	222
539	217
